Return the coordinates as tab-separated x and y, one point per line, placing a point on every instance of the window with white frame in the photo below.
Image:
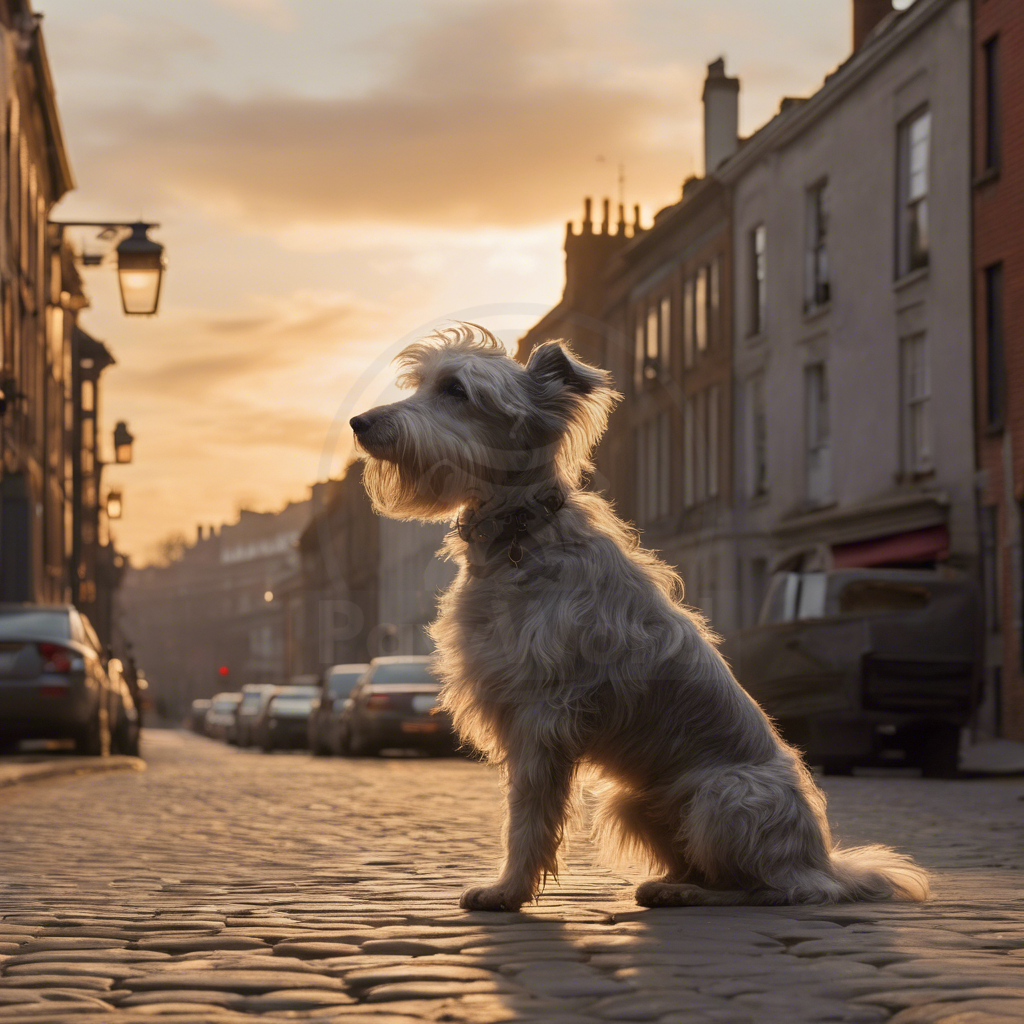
713	423
915	385
755	436
701	309
817	290
688	326
758	280
653	339
914	156
714	300
818	451
653	480
689	475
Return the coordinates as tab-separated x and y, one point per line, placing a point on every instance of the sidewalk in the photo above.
32	767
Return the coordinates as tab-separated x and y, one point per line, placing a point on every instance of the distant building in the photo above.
998	289
216	617
412	576
852	304
339	550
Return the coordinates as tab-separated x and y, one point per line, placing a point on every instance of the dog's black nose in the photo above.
359	424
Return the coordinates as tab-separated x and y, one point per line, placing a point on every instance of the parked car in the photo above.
196	720
53	678
338	682
254	700
866	666
220	719
395	705
126	724
284	721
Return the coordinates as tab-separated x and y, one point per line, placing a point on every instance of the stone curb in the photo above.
31	771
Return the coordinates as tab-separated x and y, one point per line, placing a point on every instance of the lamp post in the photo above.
140	263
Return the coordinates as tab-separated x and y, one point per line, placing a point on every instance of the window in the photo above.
816	281
701	310
913	242
688	306
915	385
756	431
689	475
665	336
653	481
714	300
995	398
758	291
700	445
816	418
713	419
990	57
653	326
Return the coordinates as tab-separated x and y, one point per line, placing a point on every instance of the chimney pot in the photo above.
866	16
199	532
588	223
605	217
721	115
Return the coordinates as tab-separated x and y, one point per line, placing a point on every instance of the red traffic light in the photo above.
223	670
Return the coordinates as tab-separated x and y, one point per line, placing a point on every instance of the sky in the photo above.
335	178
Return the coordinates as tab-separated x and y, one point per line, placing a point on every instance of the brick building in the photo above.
998	285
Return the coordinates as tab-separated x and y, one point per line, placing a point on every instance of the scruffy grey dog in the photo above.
563	643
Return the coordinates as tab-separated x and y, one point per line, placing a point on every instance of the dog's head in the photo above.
479	422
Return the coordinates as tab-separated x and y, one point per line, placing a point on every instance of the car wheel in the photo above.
359	745
267	746
94	740
939	752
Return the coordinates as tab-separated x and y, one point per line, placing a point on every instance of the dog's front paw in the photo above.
491	897
658	893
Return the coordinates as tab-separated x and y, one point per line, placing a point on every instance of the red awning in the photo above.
928	545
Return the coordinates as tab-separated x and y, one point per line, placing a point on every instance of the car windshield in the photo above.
404	672
21	623
250	703
340	684
225	705
291	703
795	595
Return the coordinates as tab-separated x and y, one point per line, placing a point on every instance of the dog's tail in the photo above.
873	873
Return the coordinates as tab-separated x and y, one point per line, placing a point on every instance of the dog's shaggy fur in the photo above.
563	643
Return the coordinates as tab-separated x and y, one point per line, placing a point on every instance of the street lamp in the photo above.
114	505
140	271
140	263
122	443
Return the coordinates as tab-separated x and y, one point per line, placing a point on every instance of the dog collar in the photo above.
488	534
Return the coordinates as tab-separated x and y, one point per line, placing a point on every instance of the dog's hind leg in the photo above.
539	787
663	893
627	826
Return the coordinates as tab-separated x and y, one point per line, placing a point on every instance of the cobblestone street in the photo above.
221	885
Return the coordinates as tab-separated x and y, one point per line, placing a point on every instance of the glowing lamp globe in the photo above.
140	271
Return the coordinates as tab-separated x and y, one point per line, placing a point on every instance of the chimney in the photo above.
199	532
866	16
587	226
721	115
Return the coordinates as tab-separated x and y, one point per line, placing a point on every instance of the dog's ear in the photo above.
553	363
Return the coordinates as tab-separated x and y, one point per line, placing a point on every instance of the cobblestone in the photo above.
223	885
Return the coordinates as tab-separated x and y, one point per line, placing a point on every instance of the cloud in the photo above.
493	116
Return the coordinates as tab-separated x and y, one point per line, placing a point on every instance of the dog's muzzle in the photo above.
375	431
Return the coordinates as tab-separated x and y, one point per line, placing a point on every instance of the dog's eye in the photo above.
452	387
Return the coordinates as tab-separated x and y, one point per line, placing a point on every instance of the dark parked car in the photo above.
197	715
126	725
254	700
395	705
285	719
220	719
323	720
53	678
866	666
